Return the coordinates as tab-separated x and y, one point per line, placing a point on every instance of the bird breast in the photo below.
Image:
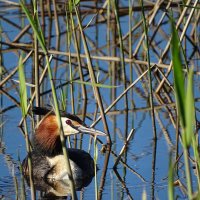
59	169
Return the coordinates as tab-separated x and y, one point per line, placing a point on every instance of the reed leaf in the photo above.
180	95
22	88
24	109
178	74
189	110
95	84
35	25
76	2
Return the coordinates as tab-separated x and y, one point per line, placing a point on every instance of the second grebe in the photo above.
48	161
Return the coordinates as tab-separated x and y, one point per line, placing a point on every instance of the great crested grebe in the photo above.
48	161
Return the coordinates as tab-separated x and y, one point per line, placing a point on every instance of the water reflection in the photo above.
118	58
51	189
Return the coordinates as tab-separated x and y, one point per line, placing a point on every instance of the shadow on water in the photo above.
99	59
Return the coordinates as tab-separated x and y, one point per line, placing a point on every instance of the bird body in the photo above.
54	168
48	161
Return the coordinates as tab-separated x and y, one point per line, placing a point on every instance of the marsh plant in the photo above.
129	67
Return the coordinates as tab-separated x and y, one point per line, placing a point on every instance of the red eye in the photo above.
68	122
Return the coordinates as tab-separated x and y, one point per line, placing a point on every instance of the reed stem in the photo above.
149	72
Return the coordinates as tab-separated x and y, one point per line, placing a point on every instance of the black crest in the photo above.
44	111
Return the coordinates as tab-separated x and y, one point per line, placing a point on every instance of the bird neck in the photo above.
47	148
46	139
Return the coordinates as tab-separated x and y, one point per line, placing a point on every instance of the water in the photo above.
145	168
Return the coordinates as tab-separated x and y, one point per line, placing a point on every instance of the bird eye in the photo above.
69	122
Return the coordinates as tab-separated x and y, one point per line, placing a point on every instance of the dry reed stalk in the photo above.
181	38
167	109
128	167
14	70
123	183
120	96
84	93
93	78
105	58
14	100
21	33
123	148
104	172
52	15
122	69
155	10
164	131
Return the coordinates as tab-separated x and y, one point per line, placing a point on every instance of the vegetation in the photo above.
129	67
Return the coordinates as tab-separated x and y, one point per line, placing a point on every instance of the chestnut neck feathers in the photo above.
46	140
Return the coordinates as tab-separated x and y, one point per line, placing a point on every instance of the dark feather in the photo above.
82	159
44	111
40	163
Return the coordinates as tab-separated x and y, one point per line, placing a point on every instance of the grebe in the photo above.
48	161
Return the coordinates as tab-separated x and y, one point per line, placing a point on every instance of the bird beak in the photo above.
90	131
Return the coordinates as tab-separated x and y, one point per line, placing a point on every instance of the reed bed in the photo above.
115	64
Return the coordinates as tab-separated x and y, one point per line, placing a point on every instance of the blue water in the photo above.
142	152
139	158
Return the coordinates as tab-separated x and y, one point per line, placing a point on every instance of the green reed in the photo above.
186	112
149	69
24	109
170	179
40	37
